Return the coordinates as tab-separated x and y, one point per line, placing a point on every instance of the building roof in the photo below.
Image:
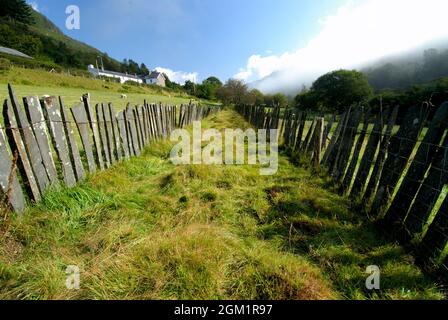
154	75
120	74
14	52
114	73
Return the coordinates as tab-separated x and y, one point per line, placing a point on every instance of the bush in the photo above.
5	64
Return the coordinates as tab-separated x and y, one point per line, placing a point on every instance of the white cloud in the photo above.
34	5
354	35
179	76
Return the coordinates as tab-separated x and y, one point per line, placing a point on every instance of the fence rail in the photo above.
397	172
39	141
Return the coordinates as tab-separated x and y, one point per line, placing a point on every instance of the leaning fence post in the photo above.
318	142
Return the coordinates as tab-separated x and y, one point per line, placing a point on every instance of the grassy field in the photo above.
71	88
146	229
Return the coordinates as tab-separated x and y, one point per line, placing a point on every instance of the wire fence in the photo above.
397	173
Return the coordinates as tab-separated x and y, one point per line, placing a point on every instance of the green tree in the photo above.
233	92
144	69
190	87
208	88
257	96
340	89
16	10
214	81
280	100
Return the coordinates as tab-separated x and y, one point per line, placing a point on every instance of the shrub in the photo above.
5	64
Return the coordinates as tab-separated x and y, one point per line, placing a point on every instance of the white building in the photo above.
112	74
156	78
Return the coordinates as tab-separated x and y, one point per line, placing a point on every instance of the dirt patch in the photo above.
225	185
308	227
273	192
12	248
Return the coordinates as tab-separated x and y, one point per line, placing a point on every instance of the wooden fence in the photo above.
397	173
39	144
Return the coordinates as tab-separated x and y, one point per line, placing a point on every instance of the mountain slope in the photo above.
46	43
418	66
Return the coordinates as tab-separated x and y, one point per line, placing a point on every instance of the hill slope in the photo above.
44	41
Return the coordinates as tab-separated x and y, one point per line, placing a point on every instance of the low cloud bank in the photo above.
179	76
355	35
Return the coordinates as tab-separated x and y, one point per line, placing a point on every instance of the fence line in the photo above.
39	146
398	176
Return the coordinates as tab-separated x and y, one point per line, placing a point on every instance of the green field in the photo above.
71	96
71	88
146	229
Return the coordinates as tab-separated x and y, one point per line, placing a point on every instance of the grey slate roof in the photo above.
14	52
120	74
153	75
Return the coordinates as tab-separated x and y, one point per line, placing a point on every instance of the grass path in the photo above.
146	229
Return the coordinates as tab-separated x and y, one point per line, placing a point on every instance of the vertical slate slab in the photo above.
9	184
103	134
435	239
29	140
298	145
17	145
116	130
308	143
152	123
158	116
80	116
347	143
327	130
72	145
332	147
181	114
145	124
121	121
346	183
318	141
128	116
141	113
94	127
138	129
293	133
38	123
429	192
133	141
109	133
400	149
150	126
368	157
53	115
141	123
416	172
379	163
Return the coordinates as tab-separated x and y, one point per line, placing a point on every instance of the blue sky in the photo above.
210	37
276	45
